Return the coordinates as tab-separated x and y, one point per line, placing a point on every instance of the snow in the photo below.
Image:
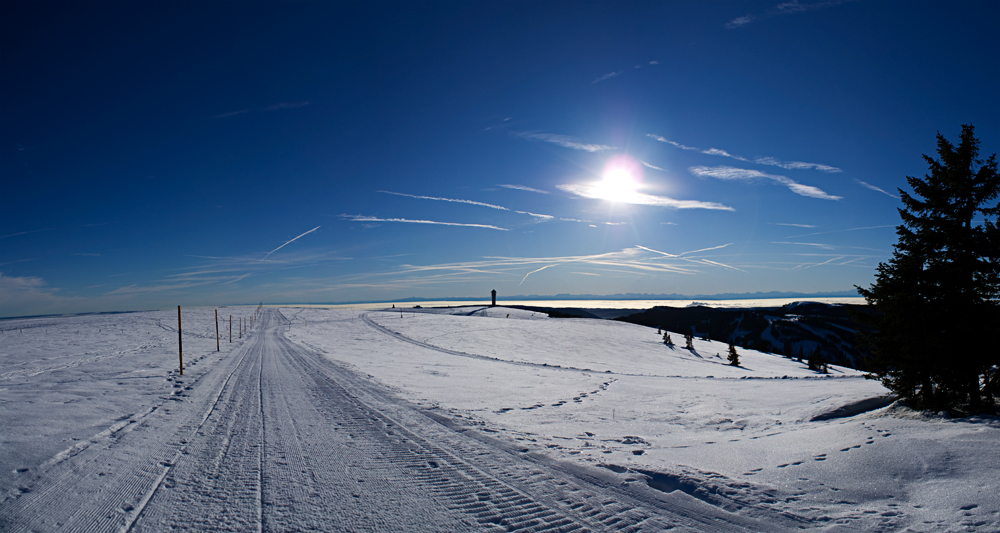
767	439
686	411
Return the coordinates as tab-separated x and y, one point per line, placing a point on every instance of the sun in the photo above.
620	181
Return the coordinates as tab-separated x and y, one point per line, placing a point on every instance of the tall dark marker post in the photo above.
180	340
494	304
217	330
230	329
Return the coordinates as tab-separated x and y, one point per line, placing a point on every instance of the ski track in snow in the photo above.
275	437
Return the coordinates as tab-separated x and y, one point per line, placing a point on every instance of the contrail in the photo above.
656	251
705	249
458	201
291	241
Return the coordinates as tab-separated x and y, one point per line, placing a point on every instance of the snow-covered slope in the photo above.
612	394
767	439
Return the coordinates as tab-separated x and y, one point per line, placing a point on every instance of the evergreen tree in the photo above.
937	300
816	361
734	358
689	341
666	339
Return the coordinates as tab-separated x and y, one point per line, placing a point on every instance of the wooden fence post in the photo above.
217	330
180	340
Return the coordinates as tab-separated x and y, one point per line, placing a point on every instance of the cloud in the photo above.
739	22
654	167
470	202
26	232
607	76
620	72
793	225
816	244
590	191
668	141
493	269
565	141
839	231
276	107
30	295
286	105
536	215
733	173
361	218
789	165
785	8
232	113
522	188
701	260
291	241
874	188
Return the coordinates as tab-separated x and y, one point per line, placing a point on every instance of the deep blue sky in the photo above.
155	153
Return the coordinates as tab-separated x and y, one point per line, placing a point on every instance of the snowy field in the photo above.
767	439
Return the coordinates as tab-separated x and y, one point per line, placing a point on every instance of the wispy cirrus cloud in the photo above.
668	141
816	244
469	202
275	107
771	161
286	105
25	232
744	174
522	188
634	259
638	198
785	8
607	76
877	189
565	141
793	225
232	113
536	215
453	200
652	166
839	231
620	72
362	218
701	260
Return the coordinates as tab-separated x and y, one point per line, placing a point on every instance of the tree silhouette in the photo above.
937	301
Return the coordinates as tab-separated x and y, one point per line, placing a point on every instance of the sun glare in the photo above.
619	182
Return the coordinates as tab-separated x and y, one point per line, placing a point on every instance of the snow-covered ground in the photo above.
768	438
611	393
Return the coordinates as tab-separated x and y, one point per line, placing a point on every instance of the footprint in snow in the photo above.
820	457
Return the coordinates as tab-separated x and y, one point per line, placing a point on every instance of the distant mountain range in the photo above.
625	296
